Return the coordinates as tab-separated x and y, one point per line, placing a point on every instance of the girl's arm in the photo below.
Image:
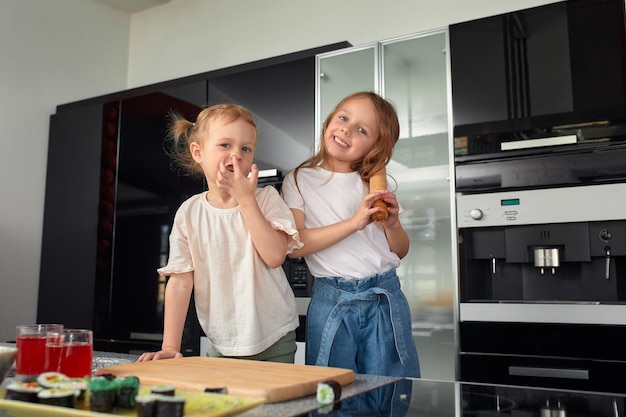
177	295
320	238
271	244
397	237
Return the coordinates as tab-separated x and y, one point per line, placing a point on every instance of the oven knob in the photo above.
476	214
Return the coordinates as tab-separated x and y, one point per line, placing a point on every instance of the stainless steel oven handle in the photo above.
549	372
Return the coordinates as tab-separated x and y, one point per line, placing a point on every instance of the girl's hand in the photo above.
393	208
162	354
363	216
236	182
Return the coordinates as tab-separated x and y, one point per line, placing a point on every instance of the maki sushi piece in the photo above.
168	390
52	379
61	397
127	388
169	406
59	380
146	405
328	392
102	394
23	391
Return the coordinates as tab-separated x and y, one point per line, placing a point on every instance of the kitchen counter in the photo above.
427	398
371	395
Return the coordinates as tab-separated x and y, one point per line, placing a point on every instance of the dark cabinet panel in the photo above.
68	253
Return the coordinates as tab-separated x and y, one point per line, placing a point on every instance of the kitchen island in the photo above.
371	395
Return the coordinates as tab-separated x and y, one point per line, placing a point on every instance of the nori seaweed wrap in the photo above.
102	394
127	388
169	406
146	405
23	391
62	397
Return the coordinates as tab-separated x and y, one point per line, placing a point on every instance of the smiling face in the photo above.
222	141
351	133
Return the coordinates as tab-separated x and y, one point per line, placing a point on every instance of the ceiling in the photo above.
132	6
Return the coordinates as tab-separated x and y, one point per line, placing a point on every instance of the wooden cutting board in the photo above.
271	381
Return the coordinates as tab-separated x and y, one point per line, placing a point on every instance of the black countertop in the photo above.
427	398
371	395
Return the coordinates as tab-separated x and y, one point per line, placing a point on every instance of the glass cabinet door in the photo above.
341	73
414	76
412	73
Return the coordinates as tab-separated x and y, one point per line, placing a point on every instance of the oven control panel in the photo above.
548	205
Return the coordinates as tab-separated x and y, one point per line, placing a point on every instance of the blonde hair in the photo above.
182	133
386	138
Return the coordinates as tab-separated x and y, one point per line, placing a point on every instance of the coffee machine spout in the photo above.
546	258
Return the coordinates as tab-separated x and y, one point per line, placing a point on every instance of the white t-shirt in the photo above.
243	306
326	198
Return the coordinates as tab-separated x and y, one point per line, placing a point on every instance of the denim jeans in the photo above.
361	324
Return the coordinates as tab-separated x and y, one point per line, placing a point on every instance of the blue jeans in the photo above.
363	325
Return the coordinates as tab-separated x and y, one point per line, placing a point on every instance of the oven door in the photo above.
588	357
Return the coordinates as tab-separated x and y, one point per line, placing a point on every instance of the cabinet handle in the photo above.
549	372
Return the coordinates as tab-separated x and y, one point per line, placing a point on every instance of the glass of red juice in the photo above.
31	349
70	352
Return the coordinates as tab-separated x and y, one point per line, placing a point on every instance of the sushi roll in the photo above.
61	397
169	406
146	405
127	388
23	391
59	380
52	379
328	392
102	394
169	390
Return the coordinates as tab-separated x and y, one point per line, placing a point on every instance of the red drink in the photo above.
31	354
53	357
76	359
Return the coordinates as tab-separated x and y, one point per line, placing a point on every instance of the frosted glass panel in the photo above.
415	80
341	74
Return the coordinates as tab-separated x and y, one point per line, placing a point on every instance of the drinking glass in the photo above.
31	349
70	352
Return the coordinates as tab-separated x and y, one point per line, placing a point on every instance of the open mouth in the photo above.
230	168
340	142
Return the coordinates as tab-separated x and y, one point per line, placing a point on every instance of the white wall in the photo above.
59	51
51	52
186	37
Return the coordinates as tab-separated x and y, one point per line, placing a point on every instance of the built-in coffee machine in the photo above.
539	109
543	287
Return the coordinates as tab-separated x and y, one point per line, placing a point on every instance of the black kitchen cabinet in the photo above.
111	193
68	255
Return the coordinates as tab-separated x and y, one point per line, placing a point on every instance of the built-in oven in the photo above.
543	287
